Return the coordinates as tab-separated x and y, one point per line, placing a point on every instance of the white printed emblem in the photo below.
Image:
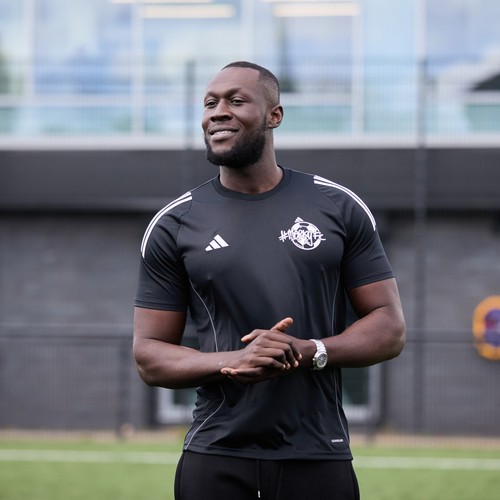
303	235
216	243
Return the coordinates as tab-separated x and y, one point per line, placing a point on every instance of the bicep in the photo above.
157	351
381	317
380	294
155	324
160	357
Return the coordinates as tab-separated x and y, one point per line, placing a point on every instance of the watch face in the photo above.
320	361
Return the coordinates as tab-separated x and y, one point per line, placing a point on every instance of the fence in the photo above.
327	101
62	381
70	382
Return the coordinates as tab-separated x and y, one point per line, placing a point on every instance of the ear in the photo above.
275	116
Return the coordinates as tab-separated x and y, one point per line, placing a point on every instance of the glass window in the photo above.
463	65
13	36
198	33
310	48
347	68
13	57
82	47
69	120
182	43
389	66
461	29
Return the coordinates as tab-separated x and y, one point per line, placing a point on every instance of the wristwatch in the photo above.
320	358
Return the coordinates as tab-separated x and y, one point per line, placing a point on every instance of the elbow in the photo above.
398	339
144	366
146	375
153	371
154	376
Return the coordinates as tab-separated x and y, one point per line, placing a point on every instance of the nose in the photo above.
221	111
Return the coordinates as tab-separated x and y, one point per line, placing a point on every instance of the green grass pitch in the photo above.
82	469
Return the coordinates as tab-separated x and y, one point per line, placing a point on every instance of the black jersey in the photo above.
240	262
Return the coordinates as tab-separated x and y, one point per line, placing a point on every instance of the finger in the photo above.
255	375
276	345
283	325
284	352
292	354
295	356
272	345
272	360
250	336
244	375
229	372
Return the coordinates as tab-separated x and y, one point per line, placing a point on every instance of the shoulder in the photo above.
169	218
348	202
326	186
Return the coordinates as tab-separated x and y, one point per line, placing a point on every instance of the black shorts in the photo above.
214	477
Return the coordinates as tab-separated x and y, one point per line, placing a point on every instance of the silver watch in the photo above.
320	358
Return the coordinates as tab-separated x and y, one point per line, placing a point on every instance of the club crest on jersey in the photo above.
303	235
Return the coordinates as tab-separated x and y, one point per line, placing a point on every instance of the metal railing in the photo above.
140	105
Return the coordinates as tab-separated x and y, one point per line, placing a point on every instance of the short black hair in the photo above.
270	81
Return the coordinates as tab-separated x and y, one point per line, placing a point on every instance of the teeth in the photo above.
223	132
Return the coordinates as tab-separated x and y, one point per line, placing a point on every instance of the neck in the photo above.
253	179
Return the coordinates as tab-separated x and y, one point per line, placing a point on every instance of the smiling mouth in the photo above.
222	133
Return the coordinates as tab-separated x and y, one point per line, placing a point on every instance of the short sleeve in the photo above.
365	260
162	282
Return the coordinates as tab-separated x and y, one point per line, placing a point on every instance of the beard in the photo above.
244	153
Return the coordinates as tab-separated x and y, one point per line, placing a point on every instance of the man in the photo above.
262	257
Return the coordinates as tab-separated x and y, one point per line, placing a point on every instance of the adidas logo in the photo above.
216	243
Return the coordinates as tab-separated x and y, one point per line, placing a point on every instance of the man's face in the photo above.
235	118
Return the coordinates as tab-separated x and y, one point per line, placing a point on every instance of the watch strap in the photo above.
320	358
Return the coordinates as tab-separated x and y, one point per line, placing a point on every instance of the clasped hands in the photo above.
268	354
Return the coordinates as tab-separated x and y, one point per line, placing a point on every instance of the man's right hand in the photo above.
268	354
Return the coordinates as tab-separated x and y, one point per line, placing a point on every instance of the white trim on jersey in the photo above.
182	199
325	182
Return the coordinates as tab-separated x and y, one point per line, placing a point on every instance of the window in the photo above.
135	70
463	65
13	51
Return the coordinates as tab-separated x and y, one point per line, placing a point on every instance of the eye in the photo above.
237	101
210	103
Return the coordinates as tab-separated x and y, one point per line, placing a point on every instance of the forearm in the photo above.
163	362
378	336
175	367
